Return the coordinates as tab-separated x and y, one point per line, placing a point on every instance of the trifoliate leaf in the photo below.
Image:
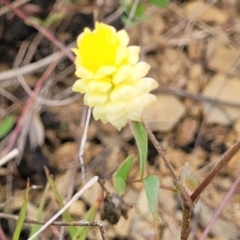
120	176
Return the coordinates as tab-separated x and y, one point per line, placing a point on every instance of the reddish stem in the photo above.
22	117
220	208
223	161
42	30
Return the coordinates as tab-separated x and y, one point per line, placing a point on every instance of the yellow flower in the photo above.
111	77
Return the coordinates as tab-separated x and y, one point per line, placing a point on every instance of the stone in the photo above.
186	131
206	13
220	57
225	89
164	114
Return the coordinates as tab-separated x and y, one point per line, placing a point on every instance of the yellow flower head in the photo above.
111	77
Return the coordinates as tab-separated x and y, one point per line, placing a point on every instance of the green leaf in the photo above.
151	184
35	227
6	125
22	214
159	3
120	176
66	216
82	232
142	144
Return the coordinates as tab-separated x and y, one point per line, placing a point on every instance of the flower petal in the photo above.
99	112
121	92
111	77
95	100
148	99
115	107
121	54
141	70
143	85
133	54
99	86
105	71
82	72
119	123
150	84
122	74
79	86
123	37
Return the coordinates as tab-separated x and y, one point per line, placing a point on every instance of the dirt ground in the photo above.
193	48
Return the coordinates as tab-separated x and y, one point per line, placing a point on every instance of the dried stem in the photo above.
186	210
82	223
197	96
9	156
223	161
83	142
132	12
220	208
185	222
160	151
61	211
41	29
156	144
21	119
186	200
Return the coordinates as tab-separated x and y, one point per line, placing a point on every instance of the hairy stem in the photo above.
187	199
185	222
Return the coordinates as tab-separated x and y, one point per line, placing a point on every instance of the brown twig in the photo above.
196	96
156	144
185	222
222	162
21	119
186	210
41	29
32	67
82	223
220	208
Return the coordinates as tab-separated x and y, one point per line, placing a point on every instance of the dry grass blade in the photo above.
9	156
92	181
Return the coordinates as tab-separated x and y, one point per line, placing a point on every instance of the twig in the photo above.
48	102
82	223
160	151
32	67
83	142
21	53
186	200
9	156
2	234
222	162
198	96
16	4
28	105
32	49
116	14
194	14
220	208
98	12
185	222
156	144
59	213
41	29
132	12
8	95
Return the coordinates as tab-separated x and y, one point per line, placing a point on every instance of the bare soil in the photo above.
193	48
